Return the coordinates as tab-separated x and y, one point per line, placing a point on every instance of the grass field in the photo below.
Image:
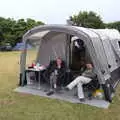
17	106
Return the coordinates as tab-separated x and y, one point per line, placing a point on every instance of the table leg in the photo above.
39	77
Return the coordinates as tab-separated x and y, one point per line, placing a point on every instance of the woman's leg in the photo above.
74	82
84	80
80	91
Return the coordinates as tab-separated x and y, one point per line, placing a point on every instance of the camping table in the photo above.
39	74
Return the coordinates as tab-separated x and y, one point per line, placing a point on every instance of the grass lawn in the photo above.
17	106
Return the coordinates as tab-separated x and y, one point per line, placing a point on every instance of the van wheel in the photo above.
107	92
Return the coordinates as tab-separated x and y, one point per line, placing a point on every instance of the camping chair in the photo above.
91	86
50	69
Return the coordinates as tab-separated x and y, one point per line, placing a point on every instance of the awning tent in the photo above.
54	41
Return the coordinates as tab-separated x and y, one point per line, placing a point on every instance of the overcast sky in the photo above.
57	11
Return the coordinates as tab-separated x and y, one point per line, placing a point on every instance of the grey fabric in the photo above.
52	48
100	54
91	38
65	96
111	58
110	55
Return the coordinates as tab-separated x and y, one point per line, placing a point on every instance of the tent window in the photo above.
31	54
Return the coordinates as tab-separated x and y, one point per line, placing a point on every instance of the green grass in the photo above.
17	106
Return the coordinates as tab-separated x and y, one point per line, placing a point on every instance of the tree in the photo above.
1	36
11	31
87	19
115	25
31	23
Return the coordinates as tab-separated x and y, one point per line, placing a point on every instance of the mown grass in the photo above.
17	106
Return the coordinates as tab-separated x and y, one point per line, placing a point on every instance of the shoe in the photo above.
82	100
50	93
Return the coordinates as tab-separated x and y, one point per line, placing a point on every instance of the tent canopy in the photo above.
52	34
103	47
54	41
56	38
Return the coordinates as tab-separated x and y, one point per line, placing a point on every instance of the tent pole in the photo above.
23	65
68	56
68	51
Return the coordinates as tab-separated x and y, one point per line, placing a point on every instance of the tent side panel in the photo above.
116	48
111	58
98	46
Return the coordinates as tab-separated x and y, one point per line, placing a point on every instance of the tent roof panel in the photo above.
42	31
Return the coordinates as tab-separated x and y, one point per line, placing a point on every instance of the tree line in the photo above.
92	20
11	31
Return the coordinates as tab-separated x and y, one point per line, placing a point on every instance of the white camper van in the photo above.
102	48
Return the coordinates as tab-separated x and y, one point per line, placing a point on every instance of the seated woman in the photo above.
56	74
85	78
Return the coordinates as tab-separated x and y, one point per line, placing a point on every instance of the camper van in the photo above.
101	47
